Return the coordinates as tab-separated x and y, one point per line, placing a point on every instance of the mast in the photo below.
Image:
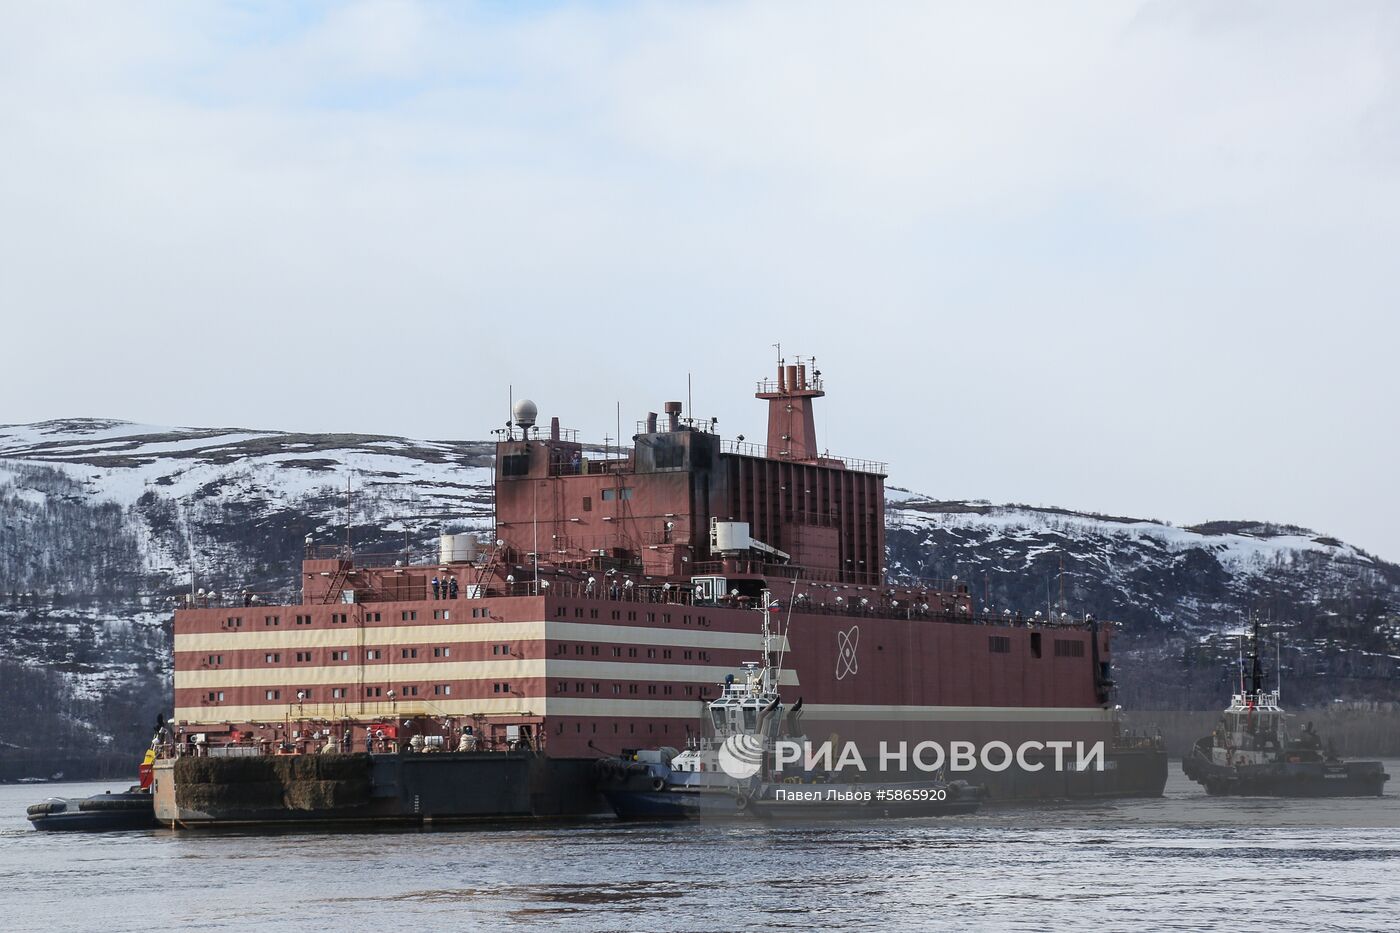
770	675
1256	669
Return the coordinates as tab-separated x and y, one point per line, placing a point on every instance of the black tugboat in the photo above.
1251	753
129	809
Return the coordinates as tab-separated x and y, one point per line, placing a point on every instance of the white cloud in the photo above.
1132	257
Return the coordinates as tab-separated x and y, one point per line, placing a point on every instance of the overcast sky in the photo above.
1131	258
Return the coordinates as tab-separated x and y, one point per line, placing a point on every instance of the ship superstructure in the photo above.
617	590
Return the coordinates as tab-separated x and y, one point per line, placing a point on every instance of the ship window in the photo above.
593	650
750	718
718	715
593	613
617	652
609	495
1067	648
999	644
515	464
597	687
578	612
631	688
1035	644
616	615
588	503
631	652
665	652
651	652
666	690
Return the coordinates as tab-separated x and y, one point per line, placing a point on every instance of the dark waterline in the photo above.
1184	862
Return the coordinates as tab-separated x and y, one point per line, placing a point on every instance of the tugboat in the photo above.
133	808
731	775
1251	753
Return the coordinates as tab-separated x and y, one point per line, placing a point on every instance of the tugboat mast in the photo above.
1256	672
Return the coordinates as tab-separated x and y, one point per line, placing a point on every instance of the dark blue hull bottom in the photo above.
99	813
1289	779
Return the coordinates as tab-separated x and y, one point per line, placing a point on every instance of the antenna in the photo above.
348	504
1241	664
1062	583
1278	666
1256	670
689	402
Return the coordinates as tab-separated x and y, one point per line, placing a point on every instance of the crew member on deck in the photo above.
437	587
452	587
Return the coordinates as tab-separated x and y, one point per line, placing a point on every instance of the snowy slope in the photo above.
100	519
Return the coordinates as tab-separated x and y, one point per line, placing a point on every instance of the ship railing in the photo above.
900	609
237	599
537	432
622	589
763	451
784	571
774	387
698	425
328	552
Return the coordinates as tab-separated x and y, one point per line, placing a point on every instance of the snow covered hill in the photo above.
104	521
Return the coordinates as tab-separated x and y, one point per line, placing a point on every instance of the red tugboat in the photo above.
616	592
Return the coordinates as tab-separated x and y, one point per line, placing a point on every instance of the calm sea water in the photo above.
1184	862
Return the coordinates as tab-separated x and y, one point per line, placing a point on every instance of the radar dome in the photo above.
524	413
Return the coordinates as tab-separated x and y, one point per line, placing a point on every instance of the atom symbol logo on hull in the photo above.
846	661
